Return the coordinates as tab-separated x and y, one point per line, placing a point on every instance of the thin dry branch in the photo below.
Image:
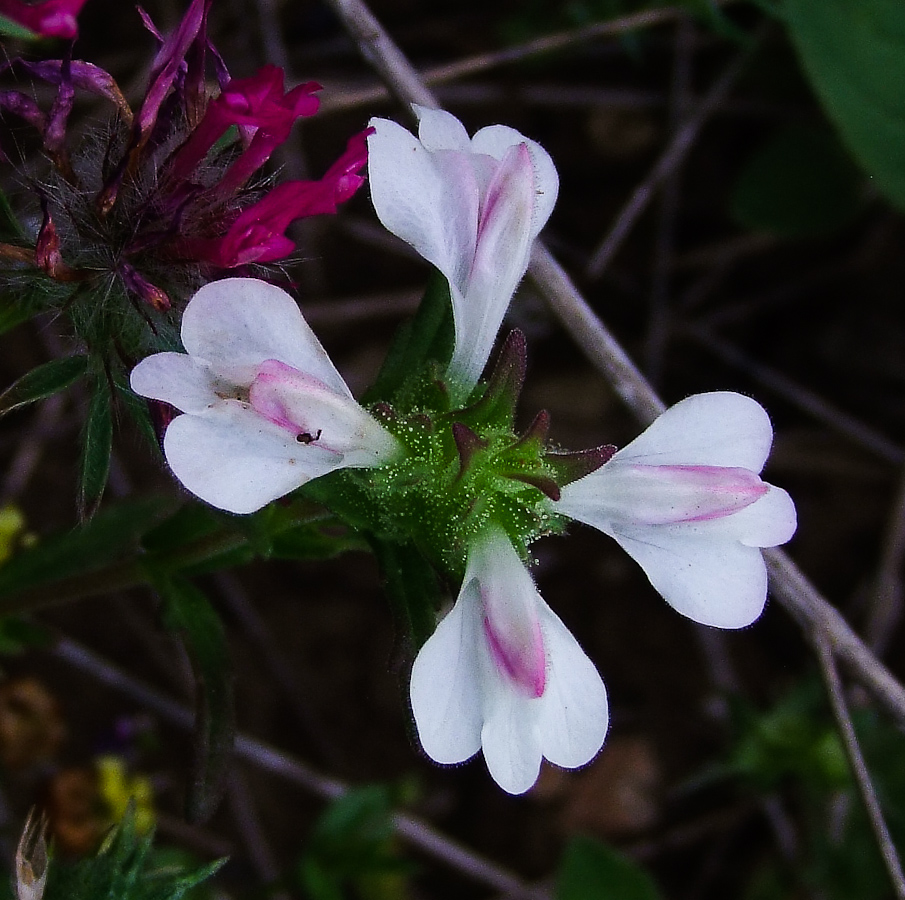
859	768
886	600
415	831
484	62
789	585
672	157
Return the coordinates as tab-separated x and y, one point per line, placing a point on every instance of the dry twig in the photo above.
791	588
859	768
418	833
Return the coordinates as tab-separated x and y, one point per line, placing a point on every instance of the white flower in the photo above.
471	207
265	409
684	500
503	674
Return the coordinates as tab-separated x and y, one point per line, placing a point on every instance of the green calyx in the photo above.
460	469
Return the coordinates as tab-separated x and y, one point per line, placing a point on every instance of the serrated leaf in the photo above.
97	446
429	336
43	381
801	183
111	534
412	588
853	52
590	870
188	612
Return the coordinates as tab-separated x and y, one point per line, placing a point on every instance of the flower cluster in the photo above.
136	217
437	464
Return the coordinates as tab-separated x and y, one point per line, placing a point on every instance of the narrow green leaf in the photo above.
9	28
97	445
429	336
12	314
801	183
43	381
412	588
10	226
853	52
590	870
188	612
113	533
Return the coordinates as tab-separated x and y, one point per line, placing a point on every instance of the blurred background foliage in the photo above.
769	261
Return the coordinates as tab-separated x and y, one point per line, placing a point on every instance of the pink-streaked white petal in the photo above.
177	379
236	460
440	130
446	684
713	581
503	674
264	409
235	324
721	428
686	502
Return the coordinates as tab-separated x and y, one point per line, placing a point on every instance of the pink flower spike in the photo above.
503	674
264	410
264	114
686	502
257	234
52	18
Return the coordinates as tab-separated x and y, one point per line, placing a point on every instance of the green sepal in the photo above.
570	465
188	613
495	407
97	447
412	587
43	381
589	870
428	338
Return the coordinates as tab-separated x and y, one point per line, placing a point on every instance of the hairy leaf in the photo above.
188	612
97	446
110	535
42	381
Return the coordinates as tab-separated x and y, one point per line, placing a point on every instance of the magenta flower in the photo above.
52	18
264	114
258	234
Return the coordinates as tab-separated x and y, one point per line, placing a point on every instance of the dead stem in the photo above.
671	158
417	832
796	594
863	781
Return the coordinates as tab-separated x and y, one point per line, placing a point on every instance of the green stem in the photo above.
134	572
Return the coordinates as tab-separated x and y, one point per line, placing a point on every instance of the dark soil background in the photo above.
811	327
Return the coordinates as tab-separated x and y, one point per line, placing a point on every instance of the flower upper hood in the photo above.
471	207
